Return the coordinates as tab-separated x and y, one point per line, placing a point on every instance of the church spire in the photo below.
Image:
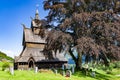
37	13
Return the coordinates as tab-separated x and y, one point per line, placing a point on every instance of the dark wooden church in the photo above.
32	54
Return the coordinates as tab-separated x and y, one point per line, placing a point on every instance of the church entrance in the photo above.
31	64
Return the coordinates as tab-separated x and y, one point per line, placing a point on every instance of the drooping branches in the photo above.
58	40
92	26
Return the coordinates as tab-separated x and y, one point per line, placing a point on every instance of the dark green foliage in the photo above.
5	65
9	58
117	64
4	56
114	65
109	69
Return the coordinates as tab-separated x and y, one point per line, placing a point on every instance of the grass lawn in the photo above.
30	75
49	75
100	75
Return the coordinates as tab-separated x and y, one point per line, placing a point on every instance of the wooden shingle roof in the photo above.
29	36
38	56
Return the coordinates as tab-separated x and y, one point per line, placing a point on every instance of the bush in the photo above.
5	65
117	64
111	66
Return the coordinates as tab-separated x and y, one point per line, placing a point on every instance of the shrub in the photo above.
5	65
117	64
111	66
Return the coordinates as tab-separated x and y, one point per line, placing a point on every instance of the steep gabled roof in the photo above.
38	56
29	36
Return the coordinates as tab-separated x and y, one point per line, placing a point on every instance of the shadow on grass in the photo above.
98	76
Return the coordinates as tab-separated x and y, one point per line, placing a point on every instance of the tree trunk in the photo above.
72	55
79	61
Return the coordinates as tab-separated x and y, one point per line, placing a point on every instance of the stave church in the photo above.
32	54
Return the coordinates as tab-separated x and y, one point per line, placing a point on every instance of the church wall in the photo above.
36	31
49	65
22	66
32	45
41	65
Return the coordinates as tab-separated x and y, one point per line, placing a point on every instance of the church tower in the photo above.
36	24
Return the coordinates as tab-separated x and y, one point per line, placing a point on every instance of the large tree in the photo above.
92	27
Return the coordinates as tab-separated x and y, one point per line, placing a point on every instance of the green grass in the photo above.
79	75
100	75
30	75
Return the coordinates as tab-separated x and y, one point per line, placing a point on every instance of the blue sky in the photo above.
12	14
